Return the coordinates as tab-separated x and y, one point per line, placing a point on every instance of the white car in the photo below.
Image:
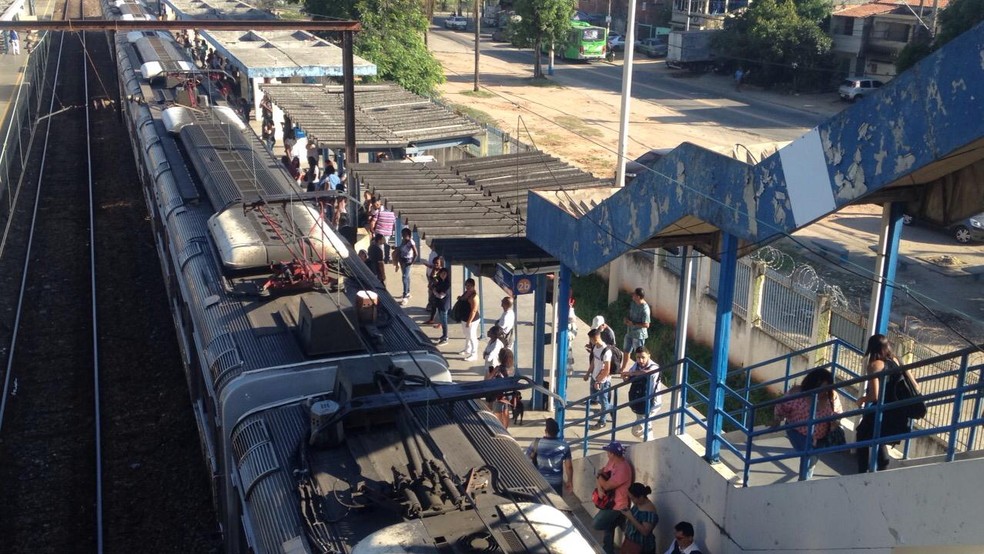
616	43
852	89
456	22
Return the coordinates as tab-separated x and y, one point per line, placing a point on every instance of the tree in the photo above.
780	40
958	17
392	37
542	22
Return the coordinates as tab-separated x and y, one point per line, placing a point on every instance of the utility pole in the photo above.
686	26
478	51
623	127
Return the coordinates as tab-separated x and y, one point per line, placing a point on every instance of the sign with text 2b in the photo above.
512	283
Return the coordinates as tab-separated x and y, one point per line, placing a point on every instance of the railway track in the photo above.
97	440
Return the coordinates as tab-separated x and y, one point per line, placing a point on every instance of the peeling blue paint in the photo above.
922	116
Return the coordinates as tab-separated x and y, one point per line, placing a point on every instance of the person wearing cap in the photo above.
615	476
607	335
552	458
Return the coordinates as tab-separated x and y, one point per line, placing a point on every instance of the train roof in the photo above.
282	477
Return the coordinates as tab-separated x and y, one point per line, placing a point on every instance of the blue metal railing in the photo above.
964	399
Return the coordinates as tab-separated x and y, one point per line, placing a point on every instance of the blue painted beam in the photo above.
924	115
722	340
563	339
888	267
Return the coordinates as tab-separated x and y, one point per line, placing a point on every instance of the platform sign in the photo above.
513	284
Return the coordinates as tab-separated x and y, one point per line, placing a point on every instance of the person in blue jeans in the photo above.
406	255
442	294
600	374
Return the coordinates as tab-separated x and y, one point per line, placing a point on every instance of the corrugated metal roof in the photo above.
276	54
474	210
386	116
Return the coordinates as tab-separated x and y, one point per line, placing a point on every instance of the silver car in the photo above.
652	47
852	89
456	22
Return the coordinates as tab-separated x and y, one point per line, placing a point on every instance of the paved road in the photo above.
698	99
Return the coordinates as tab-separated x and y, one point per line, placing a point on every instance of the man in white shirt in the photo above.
507	321
600	374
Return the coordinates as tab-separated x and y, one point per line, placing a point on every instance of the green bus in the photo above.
584	42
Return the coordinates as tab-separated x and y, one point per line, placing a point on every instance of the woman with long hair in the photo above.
798	409
881	360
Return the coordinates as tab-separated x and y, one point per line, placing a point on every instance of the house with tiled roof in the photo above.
868	37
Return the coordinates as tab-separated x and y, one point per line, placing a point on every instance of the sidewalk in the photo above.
462	371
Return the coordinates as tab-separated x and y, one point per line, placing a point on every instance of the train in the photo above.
328	420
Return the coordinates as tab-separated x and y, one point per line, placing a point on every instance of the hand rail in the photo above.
967	394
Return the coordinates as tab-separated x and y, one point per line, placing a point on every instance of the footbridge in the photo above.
899	148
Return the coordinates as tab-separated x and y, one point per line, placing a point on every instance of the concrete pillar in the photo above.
756	289
821	328
680	350
614	279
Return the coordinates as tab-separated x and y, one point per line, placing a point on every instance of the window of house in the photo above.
848	26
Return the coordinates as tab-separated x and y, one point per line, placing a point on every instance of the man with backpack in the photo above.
600	374
637	323
642	375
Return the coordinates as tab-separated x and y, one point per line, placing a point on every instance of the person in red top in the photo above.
798	409
617	475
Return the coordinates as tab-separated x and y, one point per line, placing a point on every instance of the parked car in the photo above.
852	89
456	23
616	42
963	231
652	47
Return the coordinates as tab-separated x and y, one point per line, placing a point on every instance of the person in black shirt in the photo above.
376	259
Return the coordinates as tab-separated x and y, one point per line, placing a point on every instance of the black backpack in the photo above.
617	357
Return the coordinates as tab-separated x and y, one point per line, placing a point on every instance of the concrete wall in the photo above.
749	344
929	508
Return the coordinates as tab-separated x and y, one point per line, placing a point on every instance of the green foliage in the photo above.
912	53
542	22
591	295
958	17
392	37
780	42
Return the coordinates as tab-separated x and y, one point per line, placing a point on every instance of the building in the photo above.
868	38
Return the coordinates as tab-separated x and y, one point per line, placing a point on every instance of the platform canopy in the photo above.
267	54
456	209
386	116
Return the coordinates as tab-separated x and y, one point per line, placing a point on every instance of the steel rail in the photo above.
92	284
179	24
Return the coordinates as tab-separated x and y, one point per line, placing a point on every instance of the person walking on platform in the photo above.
470	323
507	321
607	335
14	42
881	360
406	255
442	301
637	323
599	374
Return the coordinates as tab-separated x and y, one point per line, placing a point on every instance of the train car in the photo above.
328	421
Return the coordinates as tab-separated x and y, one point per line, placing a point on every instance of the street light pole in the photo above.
623	128
478	52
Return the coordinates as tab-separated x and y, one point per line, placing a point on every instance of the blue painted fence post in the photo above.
722	339
539	337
